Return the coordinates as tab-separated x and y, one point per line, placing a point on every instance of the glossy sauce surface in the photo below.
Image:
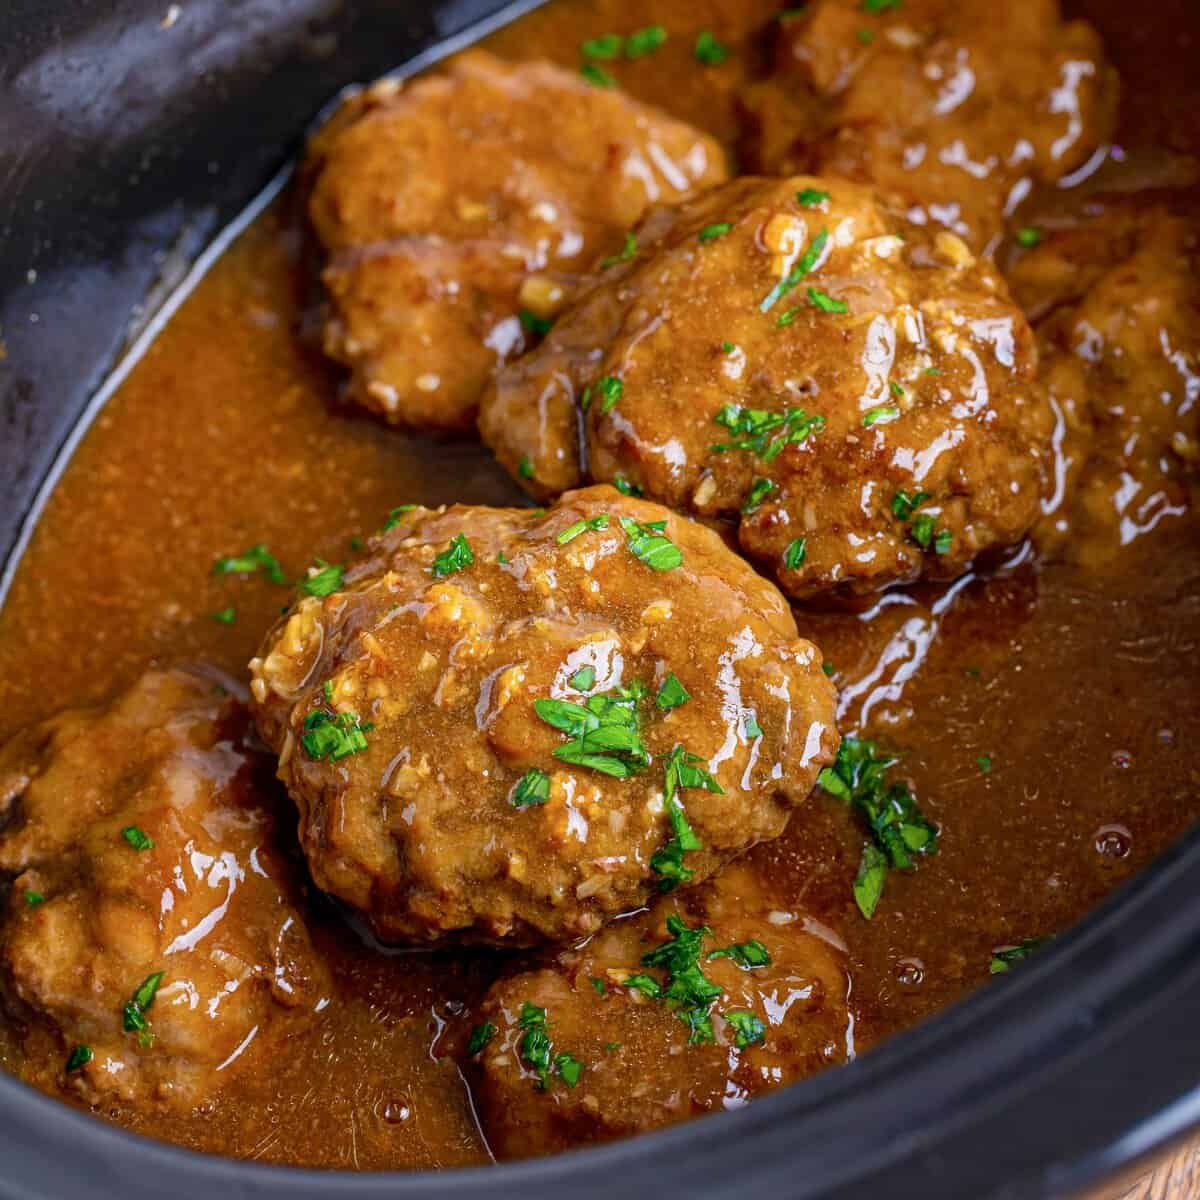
1078	688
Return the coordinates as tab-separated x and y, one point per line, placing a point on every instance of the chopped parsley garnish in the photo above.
394	516
333	736
922	527
532	788
648	544
134	1016
480	1036
79	1058
807	262
786	318
896	389
605	47
728	347
644	41
898	827
605	731
904	505
747	955
1006	957
671	694
646	984
598	985
584	679
1029	237
224	616
811	198
881	414
866	36
759	491
612	389
747	1028
537	1050
765	433
795	554
137	838
257	558
625	487
596	76
457	556
828	668
626	253
710	233
33	899
326	580
984	762
708	50
595	524
680	771
525	467
532	323
825	302
878	6
687	989
327	691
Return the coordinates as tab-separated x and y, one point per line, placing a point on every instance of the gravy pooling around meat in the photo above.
1044	716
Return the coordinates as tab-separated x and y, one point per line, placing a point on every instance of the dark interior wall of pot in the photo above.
130	131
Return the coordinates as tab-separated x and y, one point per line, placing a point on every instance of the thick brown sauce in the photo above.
1081	689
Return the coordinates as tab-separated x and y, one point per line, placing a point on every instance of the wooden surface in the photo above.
1175	1178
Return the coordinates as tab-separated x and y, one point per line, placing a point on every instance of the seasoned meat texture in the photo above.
1116	297
953	110
456	212
152	947
643	1027
507	725
859	392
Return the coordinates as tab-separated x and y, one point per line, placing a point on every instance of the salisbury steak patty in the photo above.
456	211
954	110
152	946
858	392
508	725
695	1006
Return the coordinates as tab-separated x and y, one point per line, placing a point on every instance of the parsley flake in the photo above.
1006	957
648	544
710	233
79	1058
134	1014
481	1035
612	389
457	556
525	467
825	302
326	580
671	694
708	50
532	788
748	1029
257	558
625	487
807	262
811	198
687	989
584	679
532	323
595	524
537	1050
596	76
626	253
747	955
137	838
1029	237
984	762
605	47
224	616
795	554
759	491
333	736
33	899
644	41
881	414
